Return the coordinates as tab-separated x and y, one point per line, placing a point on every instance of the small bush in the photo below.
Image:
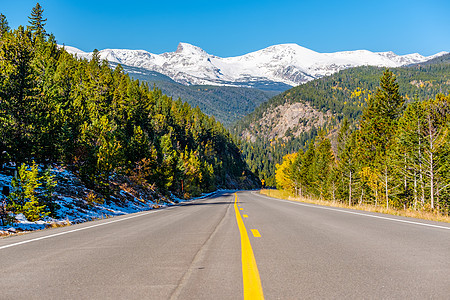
24	197
93	199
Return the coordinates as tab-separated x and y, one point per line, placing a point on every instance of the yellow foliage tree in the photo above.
284	171
371	176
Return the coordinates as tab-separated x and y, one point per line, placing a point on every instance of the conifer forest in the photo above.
101	124
396	155
387	142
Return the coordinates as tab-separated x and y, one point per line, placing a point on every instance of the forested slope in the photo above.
101	124
397	156
226	103
343	93
340	95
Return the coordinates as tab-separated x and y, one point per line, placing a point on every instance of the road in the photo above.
227	246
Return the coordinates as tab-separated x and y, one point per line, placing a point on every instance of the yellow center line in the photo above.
255	233
245	216
241	208
250	274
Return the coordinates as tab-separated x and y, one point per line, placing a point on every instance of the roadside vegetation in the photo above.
343	95
57	110
397	158
411	213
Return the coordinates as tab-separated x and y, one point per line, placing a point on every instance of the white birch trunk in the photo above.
415	190
386	186
350	189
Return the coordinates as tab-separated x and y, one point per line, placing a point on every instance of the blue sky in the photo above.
230	28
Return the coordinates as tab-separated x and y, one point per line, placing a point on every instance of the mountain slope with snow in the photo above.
289	64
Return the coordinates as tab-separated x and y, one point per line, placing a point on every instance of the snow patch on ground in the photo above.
73	208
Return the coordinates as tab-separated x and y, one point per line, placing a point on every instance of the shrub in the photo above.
24	197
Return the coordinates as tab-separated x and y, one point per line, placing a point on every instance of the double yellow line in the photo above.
250	274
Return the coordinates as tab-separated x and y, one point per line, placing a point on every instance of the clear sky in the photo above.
229	27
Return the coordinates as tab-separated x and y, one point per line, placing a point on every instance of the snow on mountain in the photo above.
79	53
286	63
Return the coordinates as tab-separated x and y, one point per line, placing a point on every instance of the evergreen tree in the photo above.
436	140
409	151
24	197
104	125
324	164
46	197
377	128
17	94
307	171
4	27
37	21
346	169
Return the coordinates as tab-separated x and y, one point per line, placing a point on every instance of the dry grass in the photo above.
58	224
432	216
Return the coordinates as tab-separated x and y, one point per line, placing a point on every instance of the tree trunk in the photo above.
350	189
422	187
386	186
376	196
431	135
415	190
334	189
405	184
431	181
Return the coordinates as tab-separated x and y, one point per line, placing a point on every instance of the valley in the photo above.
231	88
239	165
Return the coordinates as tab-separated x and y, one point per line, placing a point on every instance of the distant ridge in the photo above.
276	67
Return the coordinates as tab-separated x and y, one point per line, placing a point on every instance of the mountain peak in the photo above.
188	49
288	64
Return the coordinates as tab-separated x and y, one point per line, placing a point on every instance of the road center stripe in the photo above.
250	274
255	233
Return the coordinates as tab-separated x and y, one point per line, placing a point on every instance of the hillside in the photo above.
103	126
342	95
284	123
230	88
443	59
227	104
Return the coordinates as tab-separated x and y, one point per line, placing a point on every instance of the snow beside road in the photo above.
71	197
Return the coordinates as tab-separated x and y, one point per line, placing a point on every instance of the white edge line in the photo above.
79	229
92	226
355	213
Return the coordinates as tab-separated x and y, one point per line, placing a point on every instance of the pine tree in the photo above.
37	21
377	128
436	140
17	94
307	171
347	164
56	108
409	154
387	97
324	163
24	197
4	27
48	183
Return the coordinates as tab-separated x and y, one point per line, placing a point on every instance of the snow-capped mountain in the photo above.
289	64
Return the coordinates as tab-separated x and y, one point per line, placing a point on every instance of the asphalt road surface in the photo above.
225	247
